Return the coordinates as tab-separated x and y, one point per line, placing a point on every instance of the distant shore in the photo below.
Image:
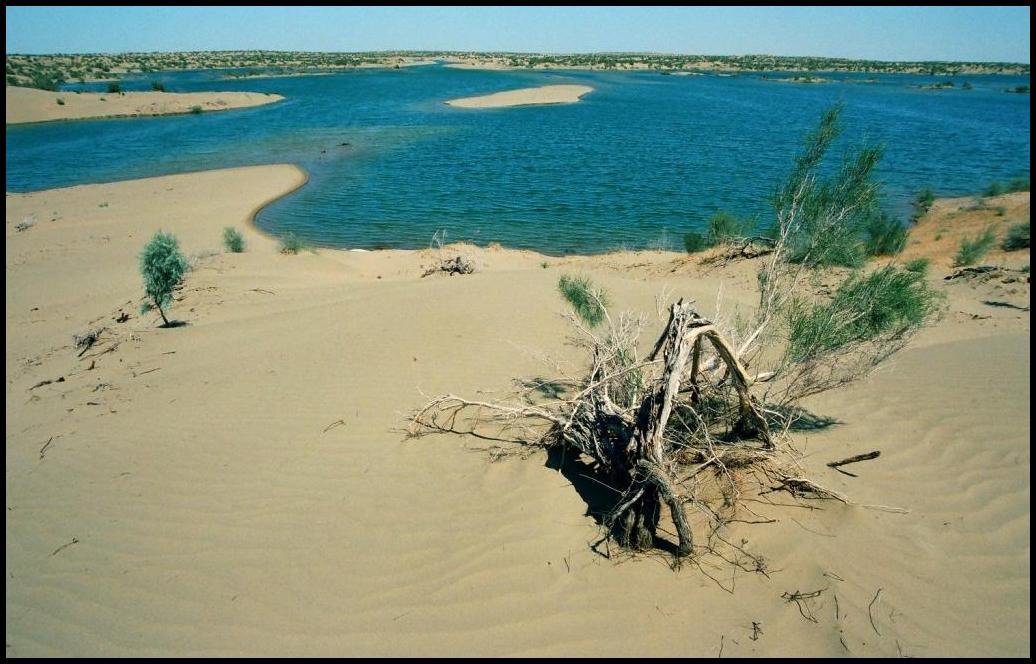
547	94
26	105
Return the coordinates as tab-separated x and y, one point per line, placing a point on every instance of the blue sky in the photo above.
885	33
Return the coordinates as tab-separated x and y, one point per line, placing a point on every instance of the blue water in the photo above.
637	163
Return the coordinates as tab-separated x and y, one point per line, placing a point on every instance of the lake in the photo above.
640	161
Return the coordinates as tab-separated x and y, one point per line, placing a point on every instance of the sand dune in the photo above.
30	105
547	94
214	512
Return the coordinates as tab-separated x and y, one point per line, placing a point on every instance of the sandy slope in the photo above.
547	94
29	105
215	513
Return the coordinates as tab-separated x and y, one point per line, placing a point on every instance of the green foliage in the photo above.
589	303
291	243
884	236
994	189
114	88
1017	237
1018	184
158	86
922	203
825	217
232	240
196	110
724	227
888	303
61	102
162	266
973	249
695	242
918	265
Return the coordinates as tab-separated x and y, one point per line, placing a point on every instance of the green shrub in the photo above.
232	240
994	189
922	203
61	102
114	88
825	216
1018	184
724	227
589	303
973	249
162	265
291	243
695	242
1017	238
883	235
158	86
886	303
918	265
196	110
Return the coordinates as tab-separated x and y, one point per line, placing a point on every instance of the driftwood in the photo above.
854	459
639	429
451	266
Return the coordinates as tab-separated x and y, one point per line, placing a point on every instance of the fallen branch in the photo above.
854	459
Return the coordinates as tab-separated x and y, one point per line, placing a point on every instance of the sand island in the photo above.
547	94
31	105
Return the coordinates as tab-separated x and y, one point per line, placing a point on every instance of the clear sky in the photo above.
885	33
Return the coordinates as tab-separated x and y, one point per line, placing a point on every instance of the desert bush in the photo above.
724	227
291	243
922	203
994	189
158	86
917	265
232	240
883	235
162	265
1017	237
694	242
589	303
114	88
972	250
1018	184
819	220
60	101
196	110
888	301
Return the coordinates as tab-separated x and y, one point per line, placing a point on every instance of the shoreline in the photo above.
27	106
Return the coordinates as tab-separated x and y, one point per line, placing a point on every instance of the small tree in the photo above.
162	266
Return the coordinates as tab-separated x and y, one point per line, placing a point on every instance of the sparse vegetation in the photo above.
918	265
694	242
724	227
883	235
589	302
658	430
888	301
196	110
163	266
922	203
973	249
60	101
233	241
158	86
1017	238
291	243
114	88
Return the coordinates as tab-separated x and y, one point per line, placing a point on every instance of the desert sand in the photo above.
242	485
30	105
547	94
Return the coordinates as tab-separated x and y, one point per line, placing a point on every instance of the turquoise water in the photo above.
642	160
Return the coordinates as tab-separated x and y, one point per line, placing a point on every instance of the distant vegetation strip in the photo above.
50	71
